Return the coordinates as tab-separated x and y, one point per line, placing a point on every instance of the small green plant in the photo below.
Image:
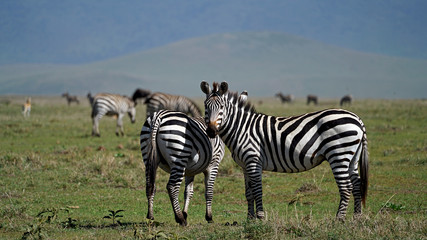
114	215
119	155
69	223
297	199
394	207
149	230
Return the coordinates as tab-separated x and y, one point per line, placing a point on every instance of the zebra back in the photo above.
112	104
158	101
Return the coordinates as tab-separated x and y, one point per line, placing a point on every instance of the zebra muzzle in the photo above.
212	130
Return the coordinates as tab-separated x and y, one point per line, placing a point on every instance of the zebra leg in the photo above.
210	176
342	179
255	181
150	190
356	182
188	193
119	128
95	126
174	183
357	194
249	196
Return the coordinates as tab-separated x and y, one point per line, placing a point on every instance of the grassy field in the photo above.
59	182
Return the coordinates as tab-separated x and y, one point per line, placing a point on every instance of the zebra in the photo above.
179	145
285	98
157	101
70	98
289	144
346	100
111	105
312	98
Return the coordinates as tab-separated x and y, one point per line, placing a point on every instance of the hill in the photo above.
261	62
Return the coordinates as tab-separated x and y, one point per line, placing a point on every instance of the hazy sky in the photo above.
80	31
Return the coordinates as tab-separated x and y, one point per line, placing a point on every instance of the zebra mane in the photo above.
233	97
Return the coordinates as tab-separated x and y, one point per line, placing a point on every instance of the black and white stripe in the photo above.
294	144
111	105
179	145
158	101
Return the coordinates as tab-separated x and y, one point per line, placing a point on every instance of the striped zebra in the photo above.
158	101
111	105
179	145
294	144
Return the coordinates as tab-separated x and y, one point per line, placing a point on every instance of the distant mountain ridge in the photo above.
261	62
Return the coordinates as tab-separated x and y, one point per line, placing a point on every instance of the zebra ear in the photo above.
223	88
243	96
205	87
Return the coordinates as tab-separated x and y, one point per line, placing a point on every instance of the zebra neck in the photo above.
235	126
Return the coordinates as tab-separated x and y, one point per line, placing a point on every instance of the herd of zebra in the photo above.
178	139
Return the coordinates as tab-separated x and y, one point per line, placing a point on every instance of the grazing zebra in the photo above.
311	98
179	145
346	100
26	108
158	101
294	144
111	105
285	98
90	98
70	98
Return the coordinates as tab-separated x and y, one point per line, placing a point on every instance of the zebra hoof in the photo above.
260	215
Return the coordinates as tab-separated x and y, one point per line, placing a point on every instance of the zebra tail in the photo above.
364	170
152	148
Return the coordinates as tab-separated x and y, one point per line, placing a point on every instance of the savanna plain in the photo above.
59	182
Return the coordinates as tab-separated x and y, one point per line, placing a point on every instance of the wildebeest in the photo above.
285	98
140	93
311	98
346	100
70	98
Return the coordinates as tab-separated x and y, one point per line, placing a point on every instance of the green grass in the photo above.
49	162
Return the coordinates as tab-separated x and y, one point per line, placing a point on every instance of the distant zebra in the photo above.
179	145
294	144
311	98
346	100
70	98
158	101
26	108
90	98
111	105
285	98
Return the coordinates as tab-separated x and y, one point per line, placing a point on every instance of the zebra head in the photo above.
214	106
132	113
